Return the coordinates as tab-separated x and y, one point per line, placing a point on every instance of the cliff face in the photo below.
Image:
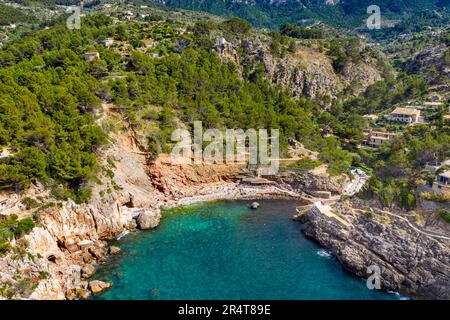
433	63
410	261
176	180
304	71
273	13
310	182
70	236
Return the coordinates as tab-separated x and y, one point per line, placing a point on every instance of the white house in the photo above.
406	115
221	43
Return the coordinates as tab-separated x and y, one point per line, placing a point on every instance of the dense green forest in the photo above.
10	14
47	94
346	14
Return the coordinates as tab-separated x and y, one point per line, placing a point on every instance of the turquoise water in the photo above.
228	251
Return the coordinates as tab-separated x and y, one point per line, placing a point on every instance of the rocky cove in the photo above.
227	250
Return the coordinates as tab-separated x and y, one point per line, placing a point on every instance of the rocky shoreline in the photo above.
57	259
410	262
56	248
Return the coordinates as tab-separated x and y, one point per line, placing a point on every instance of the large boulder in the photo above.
254	205
71	245
114	250
98	286
148	219
88	271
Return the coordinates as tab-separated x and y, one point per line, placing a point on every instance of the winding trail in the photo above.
357	184
434	235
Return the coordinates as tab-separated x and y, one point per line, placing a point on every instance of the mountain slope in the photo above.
273	13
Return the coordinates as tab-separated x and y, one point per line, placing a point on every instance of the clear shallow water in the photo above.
228	251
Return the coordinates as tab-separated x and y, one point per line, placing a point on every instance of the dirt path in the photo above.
434	235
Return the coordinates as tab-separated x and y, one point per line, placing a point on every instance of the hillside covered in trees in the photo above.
87	117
